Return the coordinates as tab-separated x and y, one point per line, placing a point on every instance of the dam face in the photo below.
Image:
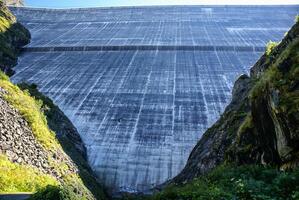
142	84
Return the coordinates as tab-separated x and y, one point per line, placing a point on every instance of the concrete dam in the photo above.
142	84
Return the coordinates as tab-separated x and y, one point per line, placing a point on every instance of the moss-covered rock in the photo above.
12	37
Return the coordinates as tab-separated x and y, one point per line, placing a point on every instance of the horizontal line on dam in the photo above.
144	47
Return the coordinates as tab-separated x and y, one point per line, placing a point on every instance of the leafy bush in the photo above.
270	46
56	193
20	178
226	182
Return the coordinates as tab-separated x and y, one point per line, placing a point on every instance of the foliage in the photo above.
49	193
12	34
30	109
56	193
270	46
281	74
3	76
55	119
21	178
247	124
251	182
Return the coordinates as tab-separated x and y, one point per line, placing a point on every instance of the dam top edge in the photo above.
157	6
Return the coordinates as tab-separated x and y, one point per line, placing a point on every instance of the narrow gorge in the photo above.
142	88
110	101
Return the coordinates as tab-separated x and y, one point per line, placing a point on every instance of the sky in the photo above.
108	3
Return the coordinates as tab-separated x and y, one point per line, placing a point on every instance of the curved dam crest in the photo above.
142	84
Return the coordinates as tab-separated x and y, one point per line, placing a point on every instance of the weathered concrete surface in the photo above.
140	111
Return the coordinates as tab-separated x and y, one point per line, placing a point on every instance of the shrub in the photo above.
250	182
55	193
270	46
21	178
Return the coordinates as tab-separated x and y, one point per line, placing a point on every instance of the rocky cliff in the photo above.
14	2
12	36
261	124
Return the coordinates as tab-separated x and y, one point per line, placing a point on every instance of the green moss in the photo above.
246	125
274	77
22	178
3	76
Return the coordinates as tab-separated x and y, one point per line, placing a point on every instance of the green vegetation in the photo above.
55	193
228	182
64	179
270	46
57	121
283	76
247	124
3	76
12	36
21	178
30	109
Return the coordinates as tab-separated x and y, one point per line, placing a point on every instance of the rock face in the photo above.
12	37
260	125
19	144
17	140
14	2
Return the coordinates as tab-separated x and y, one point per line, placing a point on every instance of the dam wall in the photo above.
142	84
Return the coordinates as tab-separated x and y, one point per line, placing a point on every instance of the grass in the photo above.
30	109
227	182
21	178
55	117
